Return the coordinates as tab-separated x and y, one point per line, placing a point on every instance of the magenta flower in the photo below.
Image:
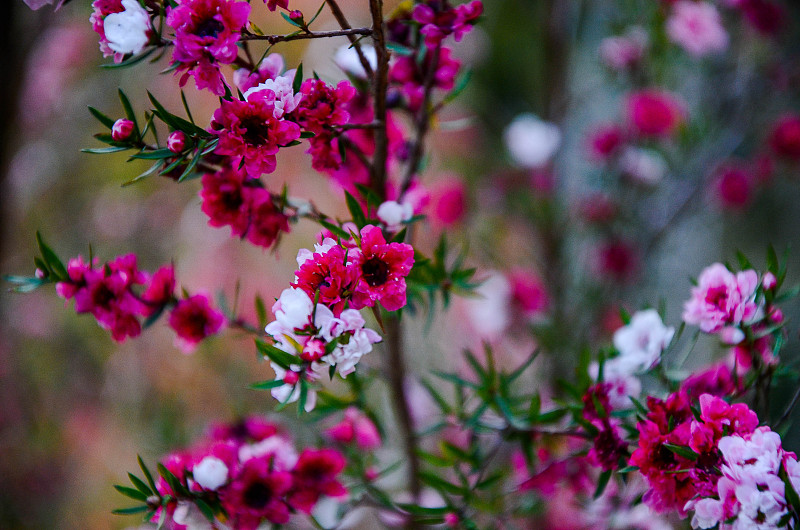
322	105
193	319
256	493
655	112
161	289
267	221
440	20
384	267
697	28
355	427
315	475
722	298
248	130
785	137
224	200
206	33
326	272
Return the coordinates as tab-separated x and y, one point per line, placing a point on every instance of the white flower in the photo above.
641	342
190	516
346	356
305	254
283	452
210	473
347	59
624	51
126	31
290	393
644	166
530	141
393	214
285	98
292	310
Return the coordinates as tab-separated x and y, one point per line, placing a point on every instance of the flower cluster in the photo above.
206	33
231	198
678	454
120	296
123	26
439	20
251	473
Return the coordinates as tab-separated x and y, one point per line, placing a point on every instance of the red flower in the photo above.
267	221
327	273
384	267
734	188
161	288
224	200
193	319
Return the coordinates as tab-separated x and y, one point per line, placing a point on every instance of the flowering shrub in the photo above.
564	410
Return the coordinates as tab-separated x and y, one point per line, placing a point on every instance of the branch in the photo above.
380	87
273	39
340	18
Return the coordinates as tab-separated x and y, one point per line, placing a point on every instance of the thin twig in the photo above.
354	42
789	409
380	88
272	39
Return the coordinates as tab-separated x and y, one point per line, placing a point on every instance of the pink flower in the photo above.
716	380
127	31
449	200
356	427
272	5
625	51
697	28
270	68
384	267
206	33
323	105
225	201
734	188
256	493
315	475
439	20
528	292
654	112
785	137
122	130
267	221
193	319
249	130
605	141
101	9
616	260
325	272
161	289
721	298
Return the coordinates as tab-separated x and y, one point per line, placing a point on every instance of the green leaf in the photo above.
602	482
298	77
132	493
130	61
151	171
140	485
102	118
104	150
261	311
267	385
147	474
791	493
440	484
339	232
131	511
205	509
186	107
355	210
276	355
128	108
50	257
158	154
399	49
288	19
461	84
680	450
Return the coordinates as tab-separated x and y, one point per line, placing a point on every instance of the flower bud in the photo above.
776	315
176	142
291	378
313	350
451	519
370	474
296	16
121	130
769	281
731	335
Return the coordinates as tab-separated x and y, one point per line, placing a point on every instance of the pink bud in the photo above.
291	378
313	350
769	281
176	142
451	519
370	474
296	15
341	432
39	274
776	315
121	130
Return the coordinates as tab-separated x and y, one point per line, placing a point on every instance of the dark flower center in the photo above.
375	271
256	131
664	457
257	495
209	28
102	296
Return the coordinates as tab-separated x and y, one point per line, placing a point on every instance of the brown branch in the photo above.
342	20
381	83
274	39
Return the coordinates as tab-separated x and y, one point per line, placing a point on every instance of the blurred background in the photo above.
562	242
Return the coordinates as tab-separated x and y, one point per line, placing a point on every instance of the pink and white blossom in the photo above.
697	28
722	298
641	342
530	141
127	32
